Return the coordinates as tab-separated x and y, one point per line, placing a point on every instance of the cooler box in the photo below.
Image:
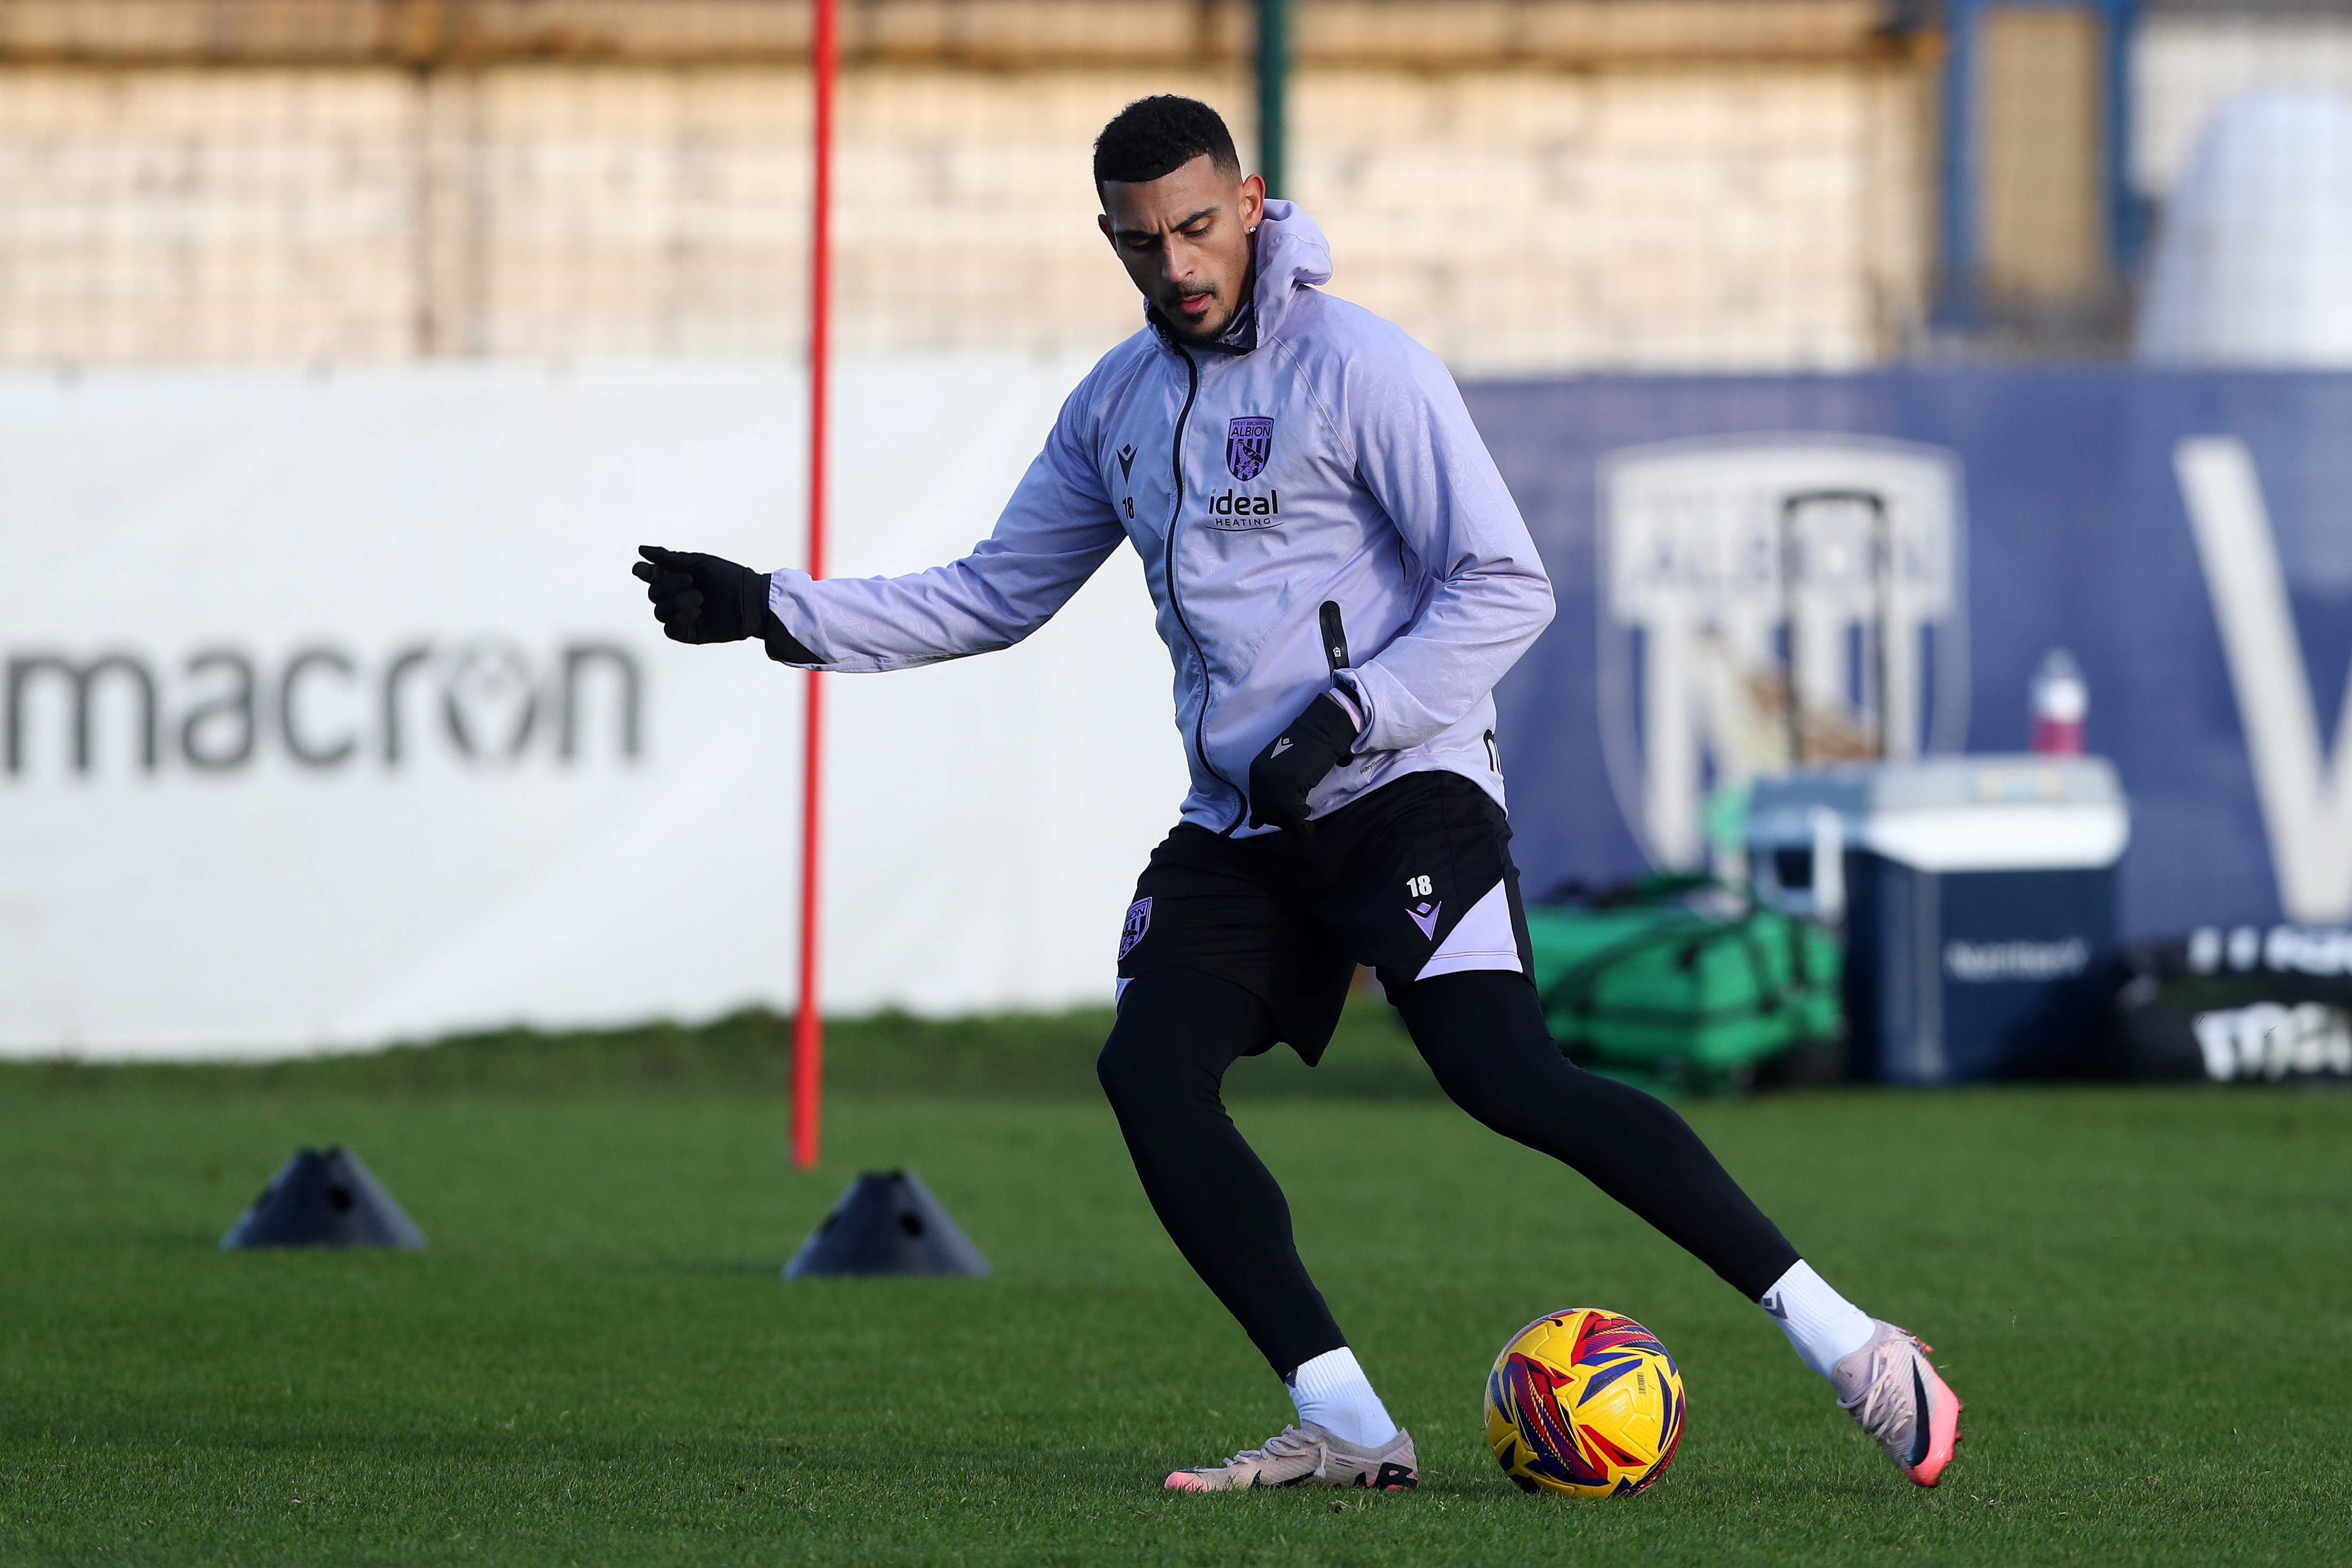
1977	897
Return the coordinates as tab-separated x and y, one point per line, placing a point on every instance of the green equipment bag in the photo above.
1678	984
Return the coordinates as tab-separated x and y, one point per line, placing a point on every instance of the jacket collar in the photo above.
1291	255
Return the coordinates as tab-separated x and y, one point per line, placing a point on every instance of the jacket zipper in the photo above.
1335	638
1176	600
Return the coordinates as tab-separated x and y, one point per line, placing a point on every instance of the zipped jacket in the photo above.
1313	508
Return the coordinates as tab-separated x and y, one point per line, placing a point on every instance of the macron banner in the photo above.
333	716
2187	535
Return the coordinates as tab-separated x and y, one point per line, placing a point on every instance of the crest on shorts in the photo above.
1138	921
1248	443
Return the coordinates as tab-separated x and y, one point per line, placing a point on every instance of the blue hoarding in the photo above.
2187	535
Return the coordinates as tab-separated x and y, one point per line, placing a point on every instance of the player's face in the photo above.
1184	239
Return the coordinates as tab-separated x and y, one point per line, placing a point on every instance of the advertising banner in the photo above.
1912	543
332	716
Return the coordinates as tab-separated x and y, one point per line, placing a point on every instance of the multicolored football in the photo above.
1585	1403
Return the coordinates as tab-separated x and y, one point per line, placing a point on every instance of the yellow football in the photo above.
1585	1403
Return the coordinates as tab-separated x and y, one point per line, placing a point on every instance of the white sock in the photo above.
1824	1326
1333	1392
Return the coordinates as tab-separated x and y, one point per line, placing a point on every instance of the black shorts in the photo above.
1416	879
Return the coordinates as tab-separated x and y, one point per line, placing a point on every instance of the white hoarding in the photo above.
333	716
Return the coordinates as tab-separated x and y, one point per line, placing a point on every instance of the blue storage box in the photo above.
1978	899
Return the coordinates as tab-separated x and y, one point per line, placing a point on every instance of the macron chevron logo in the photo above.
1425	917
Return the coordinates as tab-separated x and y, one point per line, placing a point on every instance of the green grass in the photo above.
2143	1296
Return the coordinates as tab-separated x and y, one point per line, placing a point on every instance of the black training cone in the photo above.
326	1199
887	1223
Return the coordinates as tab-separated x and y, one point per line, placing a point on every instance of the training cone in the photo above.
887	1223
323	1199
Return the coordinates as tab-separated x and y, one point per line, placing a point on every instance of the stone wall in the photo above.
1527	186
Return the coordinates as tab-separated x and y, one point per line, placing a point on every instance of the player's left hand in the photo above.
702	598
1320	738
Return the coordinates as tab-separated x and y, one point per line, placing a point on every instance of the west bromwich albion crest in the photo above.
1734	568
1248	443
1138	921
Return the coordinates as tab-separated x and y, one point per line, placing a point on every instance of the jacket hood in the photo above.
1292	255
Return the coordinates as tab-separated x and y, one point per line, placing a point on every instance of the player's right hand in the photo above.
1320	738
702	598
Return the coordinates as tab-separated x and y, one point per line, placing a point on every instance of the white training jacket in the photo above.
1316	456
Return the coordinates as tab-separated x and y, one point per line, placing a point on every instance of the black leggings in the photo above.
1482	1033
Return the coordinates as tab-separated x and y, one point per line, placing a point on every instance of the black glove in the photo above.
707	598
701	597
1320	738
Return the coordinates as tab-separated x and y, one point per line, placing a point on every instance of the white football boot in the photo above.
1891	1390
1308	1455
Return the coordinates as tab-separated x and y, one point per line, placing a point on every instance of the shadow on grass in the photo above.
717	1268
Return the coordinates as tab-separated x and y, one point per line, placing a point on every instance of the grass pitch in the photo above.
2143	1296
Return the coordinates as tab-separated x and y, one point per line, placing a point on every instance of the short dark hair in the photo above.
1157	136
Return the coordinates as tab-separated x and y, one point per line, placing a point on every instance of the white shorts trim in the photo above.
1482	939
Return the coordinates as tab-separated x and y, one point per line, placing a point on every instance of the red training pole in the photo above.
808	1021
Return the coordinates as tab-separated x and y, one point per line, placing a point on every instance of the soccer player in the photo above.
1341	577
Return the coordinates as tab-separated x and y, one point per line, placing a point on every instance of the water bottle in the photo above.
2061	702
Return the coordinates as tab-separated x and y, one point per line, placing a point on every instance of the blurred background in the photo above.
1884	380
1531	186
